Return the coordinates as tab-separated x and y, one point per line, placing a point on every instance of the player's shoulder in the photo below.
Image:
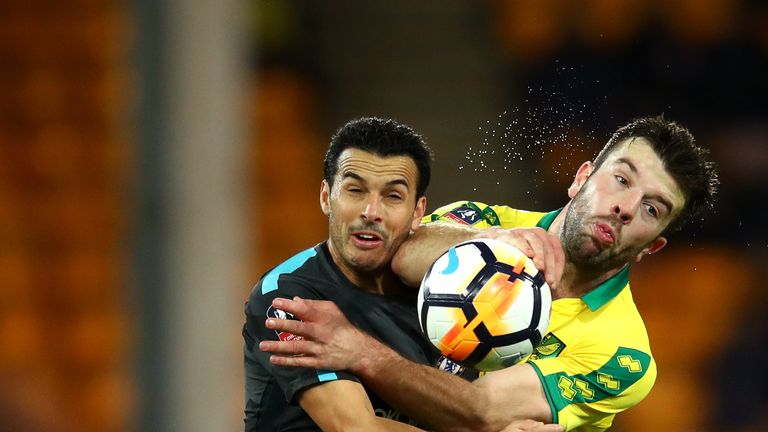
623	311
614	343
303	268
484	215
603	363
618	323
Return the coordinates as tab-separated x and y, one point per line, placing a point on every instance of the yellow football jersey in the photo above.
595	360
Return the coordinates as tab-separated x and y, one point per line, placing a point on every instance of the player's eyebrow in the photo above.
398	182
350	174
658	197
629	163
395	182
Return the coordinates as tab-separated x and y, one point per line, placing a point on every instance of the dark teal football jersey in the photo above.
272	391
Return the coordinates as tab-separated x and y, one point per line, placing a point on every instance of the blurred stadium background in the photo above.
157	157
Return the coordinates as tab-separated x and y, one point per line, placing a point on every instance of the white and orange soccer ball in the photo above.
484	304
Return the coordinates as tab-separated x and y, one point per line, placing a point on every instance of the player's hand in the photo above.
542	247
532	426
329	340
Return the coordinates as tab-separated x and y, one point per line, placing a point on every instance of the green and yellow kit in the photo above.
595	359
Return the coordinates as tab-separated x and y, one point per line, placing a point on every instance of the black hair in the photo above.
383	137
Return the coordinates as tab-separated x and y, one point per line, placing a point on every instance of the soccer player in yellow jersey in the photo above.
595	359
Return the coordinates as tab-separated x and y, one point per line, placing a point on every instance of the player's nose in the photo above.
371	210
626	205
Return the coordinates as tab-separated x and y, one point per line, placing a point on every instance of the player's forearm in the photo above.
416	254
442	401
344	406
388	425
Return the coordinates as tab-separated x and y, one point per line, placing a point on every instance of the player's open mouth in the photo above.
366	239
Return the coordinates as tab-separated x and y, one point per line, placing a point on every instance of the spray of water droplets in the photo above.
547	121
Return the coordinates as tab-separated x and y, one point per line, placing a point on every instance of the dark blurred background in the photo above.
157	157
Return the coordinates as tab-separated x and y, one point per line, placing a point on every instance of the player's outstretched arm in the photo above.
441	400
532	426
415	255
344	406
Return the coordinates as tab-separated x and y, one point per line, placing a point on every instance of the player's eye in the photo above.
653	211
621	179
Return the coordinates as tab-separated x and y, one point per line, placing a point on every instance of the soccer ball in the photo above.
483	304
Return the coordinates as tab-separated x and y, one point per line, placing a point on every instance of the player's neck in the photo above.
575	283
378	282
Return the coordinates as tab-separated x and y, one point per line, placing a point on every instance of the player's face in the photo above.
371	208
618	212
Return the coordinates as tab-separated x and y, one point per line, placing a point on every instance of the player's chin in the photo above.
586	254
585	247
368	262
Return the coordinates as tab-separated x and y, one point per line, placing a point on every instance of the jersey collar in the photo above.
604	292
548	218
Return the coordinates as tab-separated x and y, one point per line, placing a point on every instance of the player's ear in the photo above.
418	212
654	247
581	177
325	197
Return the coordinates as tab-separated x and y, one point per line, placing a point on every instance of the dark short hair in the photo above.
683	159
383	137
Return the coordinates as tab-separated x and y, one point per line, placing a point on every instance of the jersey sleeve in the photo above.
481	215
257	310
586	389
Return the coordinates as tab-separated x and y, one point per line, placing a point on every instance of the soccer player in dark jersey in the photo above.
648	180
376	172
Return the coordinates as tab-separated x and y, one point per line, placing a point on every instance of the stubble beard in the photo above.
578	243
340	241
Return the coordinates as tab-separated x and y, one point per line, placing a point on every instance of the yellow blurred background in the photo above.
157	157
